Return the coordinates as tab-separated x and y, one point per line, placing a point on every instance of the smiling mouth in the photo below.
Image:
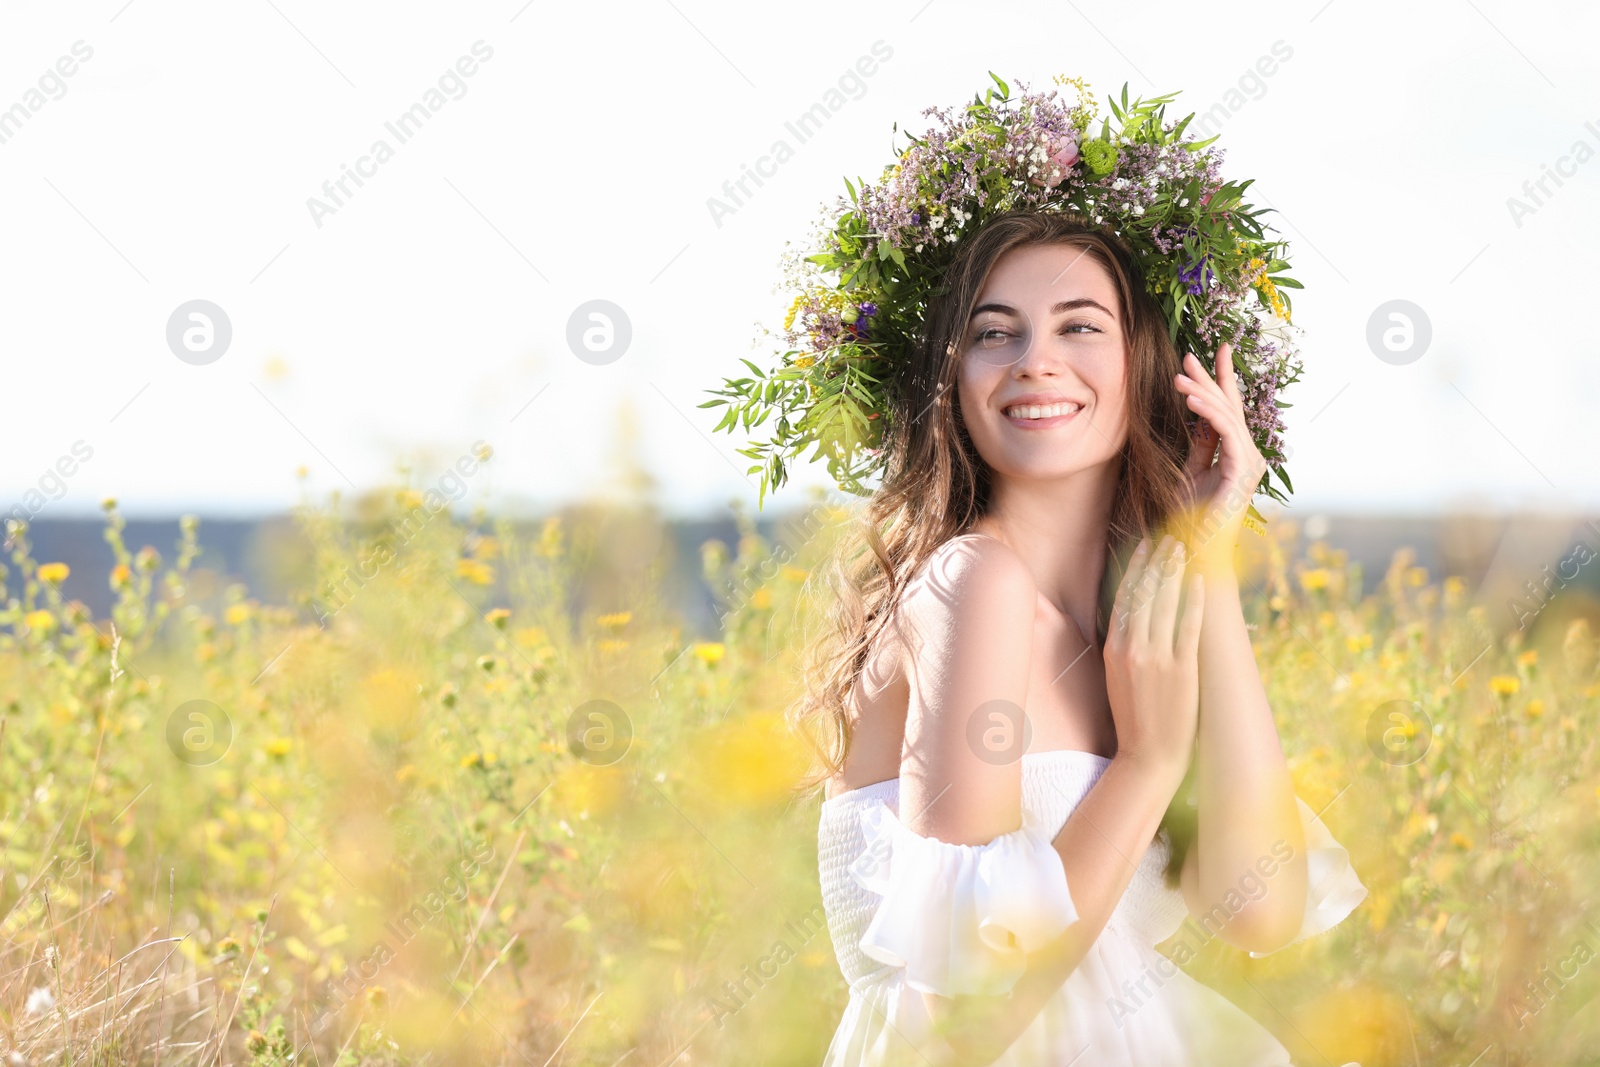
1041	415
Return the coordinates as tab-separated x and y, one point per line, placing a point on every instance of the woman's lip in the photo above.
1040	424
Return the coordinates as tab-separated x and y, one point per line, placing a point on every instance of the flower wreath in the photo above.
862	298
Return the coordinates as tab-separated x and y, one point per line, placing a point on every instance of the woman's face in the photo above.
1043	365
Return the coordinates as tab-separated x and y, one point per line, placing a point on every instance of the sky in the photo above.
160	152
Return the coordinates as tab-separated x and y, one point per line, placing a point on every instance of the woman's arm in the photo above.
1100	847
1247	809
978	635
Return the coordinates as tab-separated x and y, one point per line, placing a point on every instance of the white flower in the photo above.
40	1001
1279	331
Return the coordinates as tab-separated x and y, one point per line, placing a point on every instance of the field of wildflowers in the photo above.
491	803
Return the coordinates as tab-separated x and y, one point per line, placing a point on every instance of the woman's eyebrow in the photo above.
1056	309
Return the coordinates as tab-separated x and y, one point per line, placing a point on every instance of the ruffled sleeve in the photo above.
960	918
1332	888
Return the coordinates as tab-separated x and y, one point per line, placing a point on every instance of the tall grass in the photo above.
481	797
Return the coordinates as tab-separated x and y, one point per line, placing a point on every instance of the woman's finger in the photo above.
1144	592
1122	606
1164	606
1227	377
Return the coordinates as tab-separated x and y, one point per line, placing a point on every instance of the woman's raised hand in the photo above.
1223	485
1152	659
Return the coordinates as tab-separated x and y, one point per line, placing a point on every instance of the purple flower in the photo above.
1192	275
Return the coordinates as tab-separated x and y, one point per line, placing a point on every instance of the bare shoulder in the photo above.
971	568
969	583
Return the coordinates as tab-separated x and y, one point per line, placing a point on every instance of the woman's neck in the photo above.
1060	529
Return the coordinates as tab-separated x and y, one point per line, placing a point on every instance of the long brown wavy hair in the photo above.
935	485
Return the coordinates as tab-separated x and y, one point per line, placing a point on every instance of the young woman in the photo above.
1043	652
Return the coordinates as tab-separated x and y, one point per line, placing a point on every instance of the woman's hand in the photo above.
1222	488
1152	659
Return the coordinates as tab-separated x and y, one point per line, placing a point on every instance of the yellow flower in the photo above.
1416	576
530	636
805	361
761	599
120	575
474	571
478	759
611	646
1358	643
615	620
1461	840
1534	709
1528	658
1315	579
1504	685
236	614
409	499
497	618
40	620
793	574
406	774
709	653
53	573
278	747
794	309
206	652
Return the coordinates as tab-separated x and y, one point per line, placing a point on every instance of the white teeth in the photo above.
1034	411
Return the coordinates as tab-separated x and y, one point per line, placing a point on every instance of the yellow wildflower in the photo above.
1528	658
761	599
710	653
1315	579
1461	840
497	617
530	636
1358	643
409	499
406	774
53	573
794	309
793	574
278	747
611	646
1534	709
120	575
236	614
1504	685
615	620
40	620
1416	576
804	362
474	571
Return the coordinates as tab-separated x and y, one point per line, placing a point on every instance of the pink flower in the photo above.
1063	156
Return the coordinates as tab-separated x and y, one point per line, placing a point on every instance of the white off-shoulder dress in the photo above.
911	914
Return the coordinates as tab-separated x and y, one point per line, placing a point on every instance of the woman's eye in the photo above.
1087	326
990	336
